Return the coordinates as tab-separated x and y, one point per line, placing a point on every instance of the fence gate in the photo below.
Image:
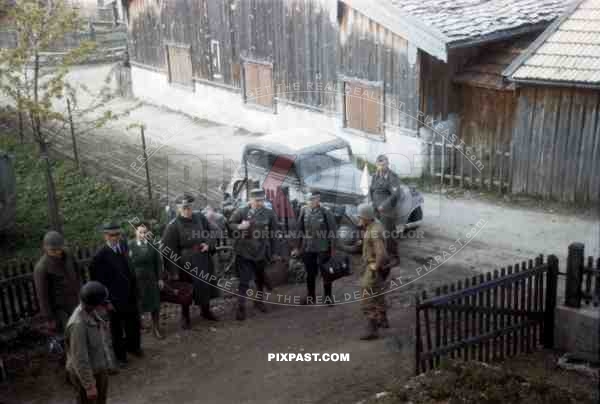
488	317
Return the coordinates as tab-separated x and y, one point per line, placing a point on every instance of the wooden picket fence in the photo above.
488	317
582	279
18	300
484	167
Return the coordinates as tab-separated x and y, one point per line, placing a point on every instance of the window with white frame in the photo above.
215	52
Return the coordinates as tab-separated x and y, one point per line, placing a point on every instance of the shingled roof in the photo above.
567	53
436	25
462	20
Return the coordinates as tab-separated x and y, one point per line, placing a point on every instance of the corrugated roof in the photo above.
463	20
567	53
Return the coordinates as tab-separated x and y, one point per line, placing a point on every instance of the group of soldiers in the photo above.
101	321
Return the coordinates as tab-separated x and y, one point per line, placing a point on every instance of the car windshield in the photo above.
318	162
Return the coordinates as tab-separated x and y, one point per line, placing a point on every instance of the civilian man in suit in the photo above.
110	266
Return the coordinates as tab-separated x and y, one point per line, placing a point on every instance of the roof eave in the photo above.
498	35
556	83
423	36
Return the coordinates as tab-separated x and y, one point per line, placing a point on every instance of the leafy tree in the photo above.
38	88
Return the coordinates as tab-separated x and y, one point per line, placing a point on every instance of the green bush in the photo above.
84	202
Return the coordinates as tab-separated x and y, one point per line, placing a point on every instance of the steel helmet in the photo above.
366	211
93	294
54	239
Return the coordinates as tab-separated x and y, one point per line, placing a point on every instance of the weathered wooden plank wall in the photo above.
486	116
556	144
372	53
439	96
298	37
486	124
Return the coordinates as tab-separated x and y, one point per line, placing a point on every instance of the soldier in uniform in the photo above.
317	230
253	228
57	283
375	259
190	237
385	193
110	266
89	357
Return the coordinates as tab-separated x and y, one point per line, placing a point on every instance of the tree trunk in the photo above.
53	213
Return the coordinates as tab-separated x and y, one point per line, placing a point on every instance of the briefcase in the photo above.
336	267
177	292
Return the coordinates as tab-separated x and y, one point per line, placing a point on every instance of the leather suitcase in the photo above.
177	292
336	267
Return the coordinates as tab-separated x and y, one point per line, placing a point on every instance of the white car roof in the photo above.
299	138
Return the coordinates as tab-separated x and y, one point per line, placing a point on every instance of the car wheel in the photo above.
415	215
347	240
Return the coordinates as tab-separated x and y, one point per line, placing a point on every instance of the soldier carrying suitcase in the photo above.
316	230
189	236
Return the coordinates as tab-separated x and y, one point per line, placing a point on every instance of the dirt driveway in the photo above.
228	362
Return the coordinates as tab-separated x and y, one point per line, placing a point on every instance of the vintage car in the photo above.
300	161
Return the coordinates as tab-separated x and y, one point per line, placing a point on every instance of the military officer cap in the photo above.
184	201
54	240
257	194
366	211
382	158
313	195
111	227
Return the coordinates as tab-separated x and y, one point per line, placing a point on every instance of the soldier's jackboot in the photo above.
206	313
371	331
186	322
260	305
241	310
327	288
384	322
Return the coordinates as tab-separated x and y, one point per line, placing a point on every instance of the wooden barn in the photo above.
376	72
556	140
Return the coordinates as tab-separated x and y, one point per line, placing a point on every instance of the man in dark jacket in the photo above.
385	193
190	237
317	231
254	229
110	266
57	282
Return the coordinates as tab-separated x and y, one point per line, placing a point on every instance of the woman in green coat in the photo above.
147	265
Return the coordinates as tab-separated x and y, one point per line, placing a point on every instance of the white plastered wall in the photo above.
227	107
